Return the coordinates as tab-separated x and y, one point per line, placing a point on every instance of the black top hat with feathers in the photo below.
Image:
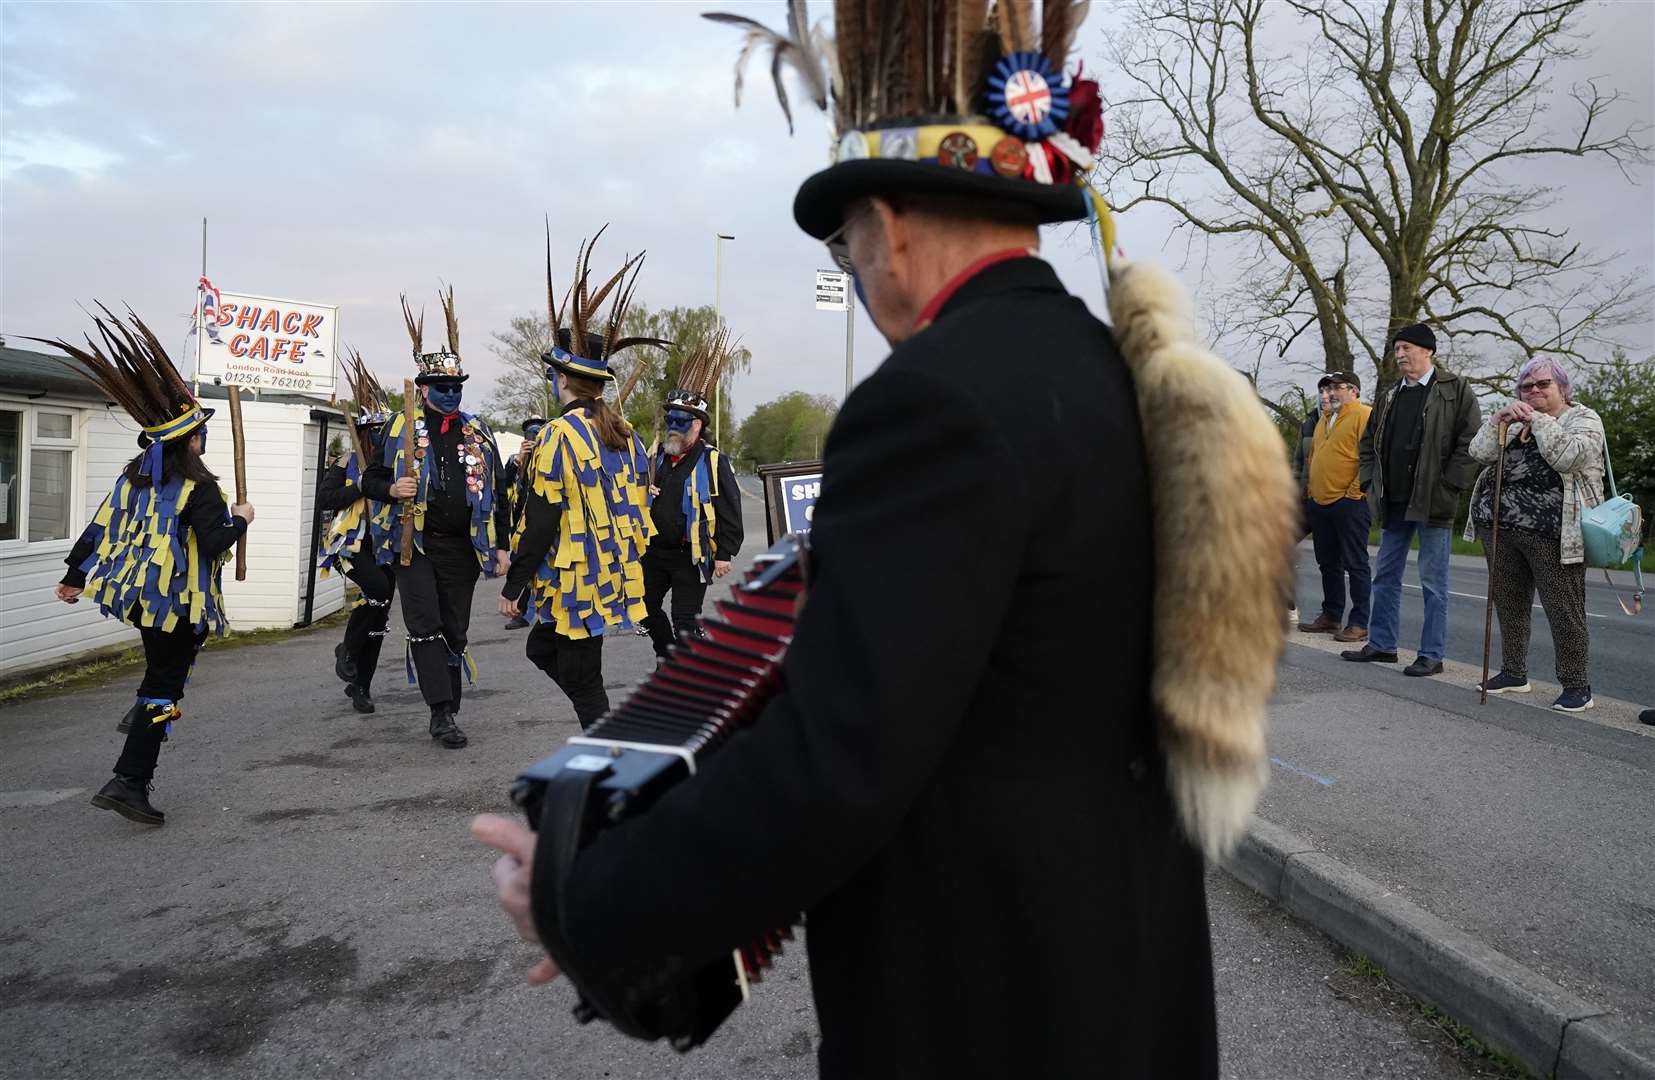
939	97
582	343
443	365
700	373
132	368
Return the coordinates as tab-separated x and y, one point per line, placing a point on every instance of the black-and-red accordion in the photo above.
715	683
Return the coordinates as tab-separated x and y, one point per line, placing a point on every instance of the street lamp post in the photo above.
718	389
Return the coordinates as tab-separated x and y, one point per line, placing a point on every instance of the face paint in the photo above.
861	297
445	397
533	432
203	430
679	421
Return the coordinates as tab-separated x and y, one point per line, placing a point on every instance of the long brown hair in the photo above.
177	459
613	430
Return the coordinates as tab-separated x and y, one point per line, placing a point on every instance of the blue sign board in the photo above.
799	495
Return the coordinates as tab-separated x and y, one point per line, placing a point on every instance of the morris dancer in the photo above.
154	554
696	504
575	569
517	475
350	540
454	489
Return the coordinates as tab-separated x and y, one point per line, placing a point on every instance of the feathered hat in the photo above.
582	343
445	364
700	374
372	404
138	374
940	97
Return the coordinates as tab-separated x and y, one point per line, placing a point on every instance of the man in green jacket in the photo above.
1415	461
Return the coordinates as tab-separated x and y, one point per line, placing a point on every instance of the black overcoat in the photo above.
960	786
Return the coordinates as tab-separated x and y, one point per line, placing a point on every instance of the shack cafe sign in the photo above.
265	342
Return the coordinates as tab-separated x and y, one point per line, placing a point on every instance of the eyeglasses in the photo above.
838	249
1534	384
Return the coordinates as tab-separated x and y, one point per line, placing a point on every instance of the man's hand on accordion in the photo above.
512	877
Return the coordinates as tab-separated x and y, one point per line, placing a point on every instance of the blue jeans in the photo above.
1386	622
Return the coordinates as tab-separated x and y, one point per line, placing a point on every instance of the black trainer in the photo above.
1508	684
343	665
361	700
1575	699
130	799
1367	654
1422	667
445	730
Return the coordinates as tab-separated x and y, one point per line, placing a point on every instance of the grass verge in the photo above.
1483	1058
98	667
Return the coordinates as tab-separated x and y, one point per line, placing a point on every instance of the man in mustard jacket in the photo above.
1338	510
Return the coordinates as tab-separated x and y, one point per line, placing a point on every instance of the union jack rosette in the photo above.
1027	96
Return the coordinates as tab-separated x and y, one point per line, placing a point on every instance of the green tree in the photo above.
1622	392
791	428
521	390
685	327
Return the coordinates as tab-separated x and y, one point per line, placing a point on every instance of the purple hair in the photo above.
1544	366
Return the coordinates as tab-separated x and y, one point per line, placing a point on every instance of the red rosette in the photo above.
1085	122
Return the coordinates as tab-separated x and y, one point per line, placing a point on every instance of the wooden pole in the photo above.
408	393
1493	548
240	445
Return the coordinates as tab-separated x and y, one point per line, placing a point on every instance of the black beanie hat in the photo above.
1417	334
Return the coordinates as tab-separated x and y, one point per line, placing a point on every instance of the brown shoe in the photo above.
1322	625
1352	633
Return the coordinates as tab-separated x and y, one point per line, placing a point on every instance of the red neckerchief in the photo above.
946	293
446	417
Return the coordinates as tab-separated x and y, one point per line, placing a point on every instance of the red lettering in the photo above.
248	319
297	352
311	323
260	349
226	314
238	345
290	323
272	321
280	347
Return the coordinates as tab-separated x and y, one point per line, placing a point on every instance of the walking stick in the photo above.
406	556
1493	548
240	450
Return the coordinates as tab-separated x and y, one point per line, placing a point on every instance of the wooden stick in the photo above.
408	392
1493	549
240	447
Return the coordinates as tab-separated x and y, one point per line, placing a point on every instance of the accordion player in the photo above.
712	686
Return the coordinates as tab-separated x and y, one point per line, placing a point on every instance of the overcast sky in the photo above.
346	153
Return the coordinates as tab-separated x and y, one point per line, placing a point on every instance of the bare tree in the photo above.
1374	169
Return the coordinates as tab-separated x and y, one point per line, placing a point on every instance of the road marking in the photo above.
12	800
1322	780
1484	599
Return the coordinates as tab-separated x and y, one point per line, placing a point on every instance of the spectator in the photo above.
1301	470
1554	451
1415	461
1338	511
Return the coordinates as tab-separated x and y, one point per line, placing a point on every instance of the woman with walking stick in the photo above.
1548	452
154	554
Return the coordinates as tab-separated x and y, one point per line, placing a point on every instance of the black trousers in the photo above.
436	593
168	658
1339	532
576	665
365	631
670	570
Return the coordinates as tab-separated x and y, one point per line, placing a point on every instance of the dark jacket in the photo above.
1301	452
667	508
1442	466
447	511
960	784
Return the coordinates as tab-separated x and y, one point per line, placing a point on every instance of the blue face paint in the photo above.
533	432
444	397
856	283
679	421
203	430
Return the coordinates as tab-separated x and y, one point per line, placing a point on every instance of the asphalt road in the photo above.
314	905
1622	646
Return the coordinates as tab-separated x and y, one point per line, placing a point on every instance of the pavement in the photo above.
315	906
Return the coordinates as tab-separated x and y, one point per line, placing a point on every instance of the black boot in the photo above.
444	729
361	700
129	798
343	665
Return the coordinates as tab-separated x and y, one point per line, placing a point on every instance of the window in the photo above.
37	474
